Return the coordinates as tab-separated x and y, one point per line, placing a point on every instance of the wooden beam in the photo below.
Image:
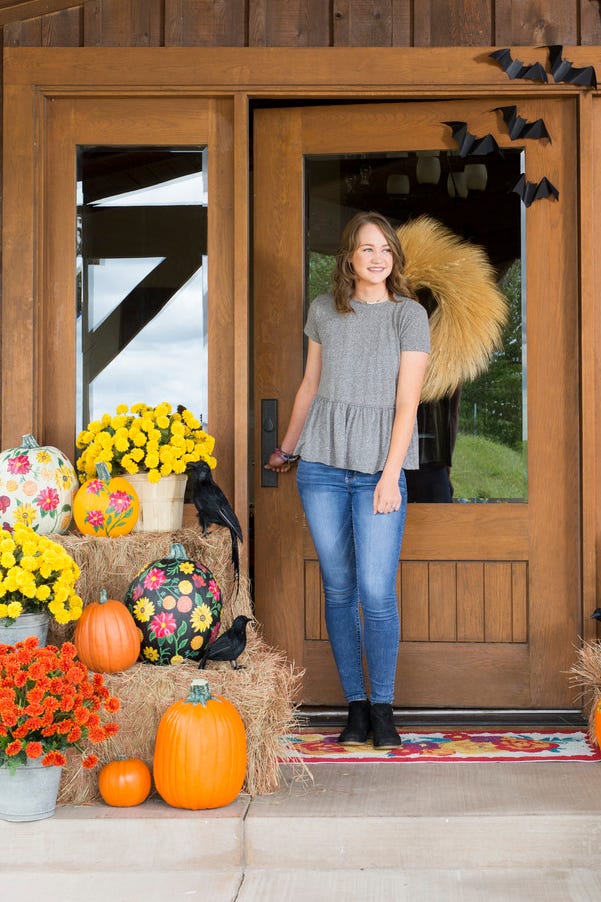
333	71
18	10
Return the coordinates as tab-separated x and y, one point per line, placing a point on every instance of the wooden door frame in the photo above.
33	77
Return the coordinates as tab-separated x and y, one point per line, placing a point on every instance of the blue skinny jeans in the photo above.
358	553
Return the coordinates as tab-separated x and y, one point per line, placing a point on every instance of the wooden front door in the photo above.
489	592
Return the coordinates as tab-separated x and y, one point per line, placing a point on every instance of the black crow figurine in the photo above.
213	507
229	645
596	615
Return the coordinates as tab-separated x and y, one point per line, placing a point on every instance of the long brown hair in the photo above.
343	278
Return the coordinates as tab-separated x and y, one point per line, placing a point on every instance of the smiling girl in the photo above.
353	423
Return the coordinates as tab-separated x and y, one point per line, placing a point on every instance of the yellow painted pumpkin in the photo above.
200	751
106	638
106	506
124	782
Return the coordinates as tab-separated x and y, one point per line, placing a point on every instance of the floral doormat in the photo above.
449	745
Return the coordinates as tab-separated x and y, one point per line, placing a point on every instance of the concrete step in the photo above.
393	885
272	885
419	831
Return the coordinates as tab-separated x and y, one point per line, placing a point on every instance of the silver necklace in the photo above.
378	301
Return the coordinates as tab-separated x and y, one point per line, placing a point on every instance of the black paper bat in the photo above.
521	128
468	143
515	68
563	70
531	191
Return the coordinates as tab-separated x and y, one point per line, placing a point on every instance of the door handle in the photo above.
269	437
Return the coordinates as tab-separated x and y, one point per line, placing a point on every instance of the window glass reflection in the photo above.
473	443
141	279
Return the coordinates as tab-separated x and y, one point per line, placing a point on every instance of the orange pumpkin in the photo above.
124	782
597	723
200	751
106	506
106	638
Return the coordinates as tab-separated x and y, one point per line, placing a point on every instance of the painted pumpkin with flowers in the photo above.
176	605
37	487
104	506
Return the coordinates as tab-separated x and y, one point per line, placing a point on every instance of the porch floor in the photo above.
469	832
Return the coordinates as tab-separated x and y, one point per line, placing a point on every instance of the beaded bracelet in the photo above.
288	458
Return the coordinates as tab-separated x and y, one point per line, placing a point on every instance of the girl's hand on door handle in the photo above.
280	462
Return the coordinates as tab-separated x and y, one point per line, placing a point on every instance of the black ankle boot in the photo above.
385	735
358	724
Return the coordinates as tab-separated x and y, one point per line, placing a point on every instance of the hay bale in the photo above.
111	564
586	675
262	693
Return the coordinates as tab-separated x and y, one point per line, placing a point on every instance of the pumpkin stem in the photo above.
178	552
29	441
102	471
103	597
200	692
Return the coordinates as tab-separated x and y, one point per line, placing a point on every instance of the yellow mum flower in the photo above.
6	542
122	408
154	476
14	609
42	593
190	420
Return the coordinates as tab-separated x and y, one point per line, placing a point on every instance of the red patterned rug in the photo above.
449	745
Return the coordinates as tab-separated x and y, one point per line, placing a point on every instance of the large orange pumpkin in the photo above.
106	506
200	751
106	637
124	782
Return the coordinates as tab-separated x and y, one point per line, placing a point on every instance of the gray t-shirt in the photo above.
349	423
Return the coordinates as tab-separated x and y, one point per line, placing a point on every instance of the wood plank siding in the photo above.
299	23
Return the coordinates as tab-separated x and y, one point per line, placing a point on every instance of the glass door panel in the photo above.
142	280
473	443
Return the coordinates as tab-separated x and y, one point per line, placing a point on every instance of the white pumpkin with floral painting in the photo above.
37	487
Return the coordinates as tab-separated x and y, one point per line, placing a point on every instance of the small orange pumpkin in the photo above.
106	506
124	782
200	751
597	723
106	638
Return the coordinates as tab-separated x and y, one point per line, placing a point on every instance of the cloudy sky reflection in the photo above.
167	359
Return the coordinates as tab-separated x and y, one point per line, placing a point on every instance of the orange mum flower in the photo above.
54	759
34	749
13	748
90	762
